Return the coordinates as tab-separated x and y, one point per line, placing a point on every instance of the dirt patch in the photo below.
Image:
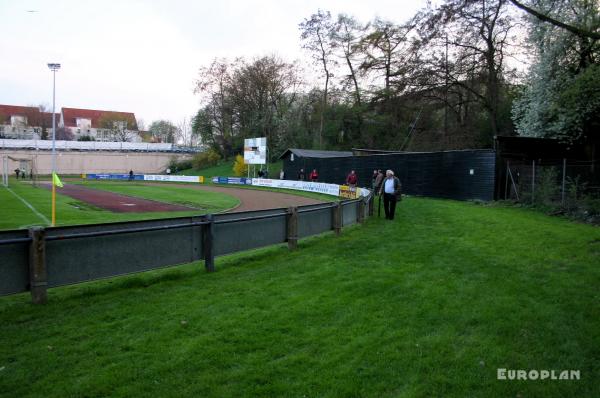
115	202
253	199
250	199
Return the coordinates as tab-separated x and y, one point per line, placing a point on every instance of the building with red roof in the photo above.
100	125
25	122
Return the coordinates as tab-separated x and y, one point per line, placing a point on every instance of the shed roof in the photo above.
310	153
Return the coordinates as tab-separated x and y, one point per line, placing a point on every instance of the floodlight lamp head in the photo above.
54	67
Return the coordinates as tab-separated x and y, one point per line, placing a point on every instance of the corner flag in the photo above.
56	180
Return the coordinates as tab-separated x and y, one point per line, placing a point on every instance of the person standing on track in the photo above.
301	175
352	179
391	190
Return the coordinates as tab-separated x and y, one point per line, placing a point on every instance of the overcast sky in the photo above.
143	56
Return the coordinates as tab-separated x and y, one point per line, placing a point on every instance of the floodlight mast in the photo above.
53	67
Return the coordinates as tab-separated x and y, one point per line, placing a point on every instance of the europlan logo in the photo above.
534	374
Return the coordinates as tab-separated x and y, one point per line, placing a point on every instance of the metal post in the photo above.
53	121
533	183
208	243
564	174
38	278
506	185
53	67
292	227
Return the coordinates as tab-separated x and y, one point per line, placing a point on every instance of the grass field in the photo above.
225	169
429	305
15	214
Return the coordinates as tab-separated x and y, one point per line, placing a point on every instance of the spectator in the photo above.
17	171
301	175
352	179
314	176
261	174
378	182
391	190
373	179
130	175
23	173
282	175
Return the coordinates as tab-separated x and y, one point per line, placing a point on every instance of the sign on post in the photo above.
255	150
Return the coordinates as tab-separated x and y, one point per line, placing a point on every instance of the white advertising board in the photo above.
255	150
320	187
158	177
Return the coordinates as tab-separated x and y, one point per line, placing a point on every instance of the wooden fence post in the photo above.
292	227
337	219
207	243
38	276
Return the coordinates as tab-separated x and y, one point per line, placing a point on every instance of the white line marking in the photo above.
40	215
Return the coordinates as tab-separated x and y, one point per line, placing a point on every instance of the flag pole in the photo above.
53	67
53	203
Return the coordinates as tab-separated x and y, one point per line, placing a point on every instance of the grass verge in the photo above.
431	304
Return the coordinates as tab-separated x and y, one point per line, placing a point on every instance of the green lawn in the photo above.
15	214
428	305
225	169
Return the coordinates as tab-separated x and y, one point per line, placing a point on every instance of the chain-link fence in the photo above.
561	183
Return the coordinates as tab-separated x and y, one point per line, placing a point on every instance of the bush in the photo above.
547	188
206	159
239	167
175	164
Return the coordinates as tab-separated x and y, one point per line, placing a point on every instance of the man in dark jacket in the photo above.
391	190
301	175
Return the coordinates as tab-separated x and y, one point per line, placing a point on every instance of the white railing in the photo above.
85	145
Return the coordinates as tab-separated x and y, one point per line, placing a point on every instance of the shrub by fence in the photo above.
41	258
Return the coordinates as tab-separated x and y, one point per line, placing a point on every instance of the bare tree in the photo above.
315	33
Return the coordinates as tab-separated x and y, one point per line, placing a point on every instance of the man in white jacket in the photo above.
391	190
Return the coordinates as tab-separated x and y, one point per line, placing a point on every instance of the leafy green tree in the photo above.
163	131
559	100
120	127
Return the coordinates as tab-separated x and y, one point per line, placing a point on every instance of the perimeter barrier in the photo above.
40	258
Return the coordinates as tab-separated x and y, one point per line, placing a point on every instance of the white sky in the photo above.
143	56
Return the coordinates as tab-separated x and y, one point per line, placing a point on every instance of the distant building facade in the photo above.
99	125
25	122
22	122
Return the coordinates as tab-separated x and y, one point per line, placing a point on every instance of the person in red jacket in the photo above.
314	176
352	179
